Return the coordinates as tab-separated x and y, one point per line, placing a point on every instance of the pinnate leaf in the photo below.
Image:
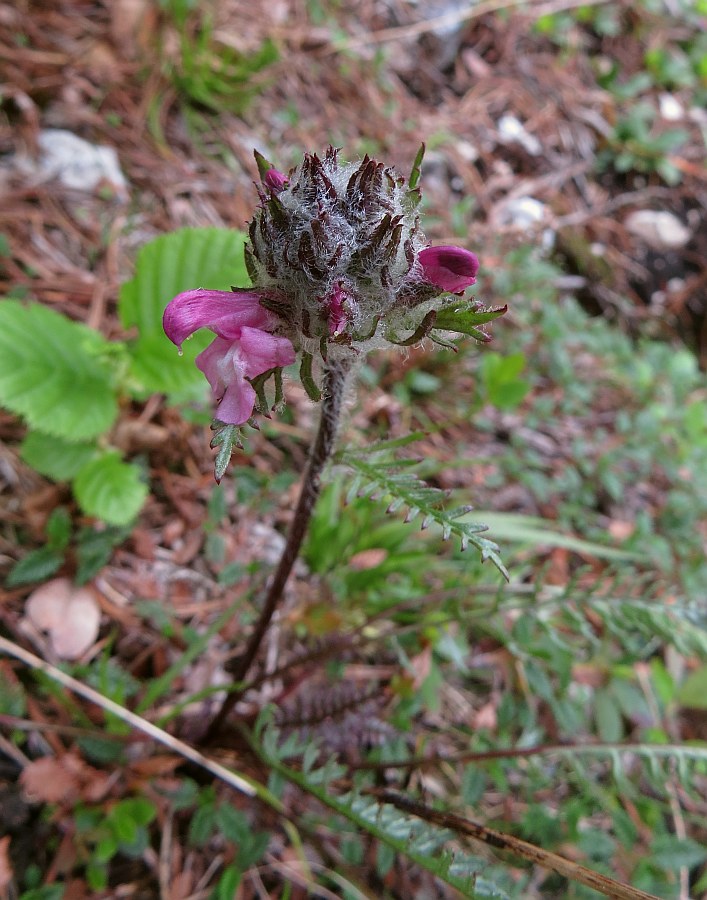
51	372
466	319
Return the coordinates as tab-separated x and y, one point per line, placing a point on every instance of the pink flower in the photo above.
224	312
244	346
449	268
275	180
336	312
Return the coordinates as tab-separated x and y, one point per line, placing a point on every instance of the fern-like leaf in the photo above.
423	844
226	438
379	477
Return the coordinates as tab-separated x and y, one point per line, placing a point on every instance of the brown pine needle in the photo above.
529	852
157	734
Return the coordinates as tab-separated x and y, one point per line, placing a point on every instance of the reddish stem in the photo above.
319	454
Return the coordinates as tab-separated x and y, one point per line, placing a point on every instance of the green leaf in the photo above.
157	366
202	825
59	529
232	823
122	824
176	262
96	875
56	458
141	810
671	852
500	377
252	848
38	565
533	530
51	372
110	489
608	717
693	691
400	833
416	168
94	549
102	750
466	319
106	849
392	479
227	886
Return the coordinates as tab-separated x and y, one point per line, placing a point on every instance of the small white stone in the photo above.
77	164
512	131
660	229
468	151
670	108
70	614
522	212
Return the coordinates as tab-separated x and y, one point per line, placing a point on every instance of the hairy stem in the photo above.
333	396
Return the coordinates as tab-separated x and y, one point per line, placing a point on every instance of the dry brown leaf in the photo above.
620	529
71	615
63	779
5	865
155	765
368	559
48	780
486	717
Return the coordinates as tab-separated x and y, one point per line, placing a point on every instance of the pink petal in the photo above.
261	351
337	317
449	268
214	363
223	365
224	312
275	180
236	406
226	363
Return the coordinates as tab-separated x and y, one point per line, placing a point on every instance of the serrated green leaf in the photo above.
110	489
232	823
51	372
388	478
466	319
157	366
94	549
202	825
58	529
176	262
38	565
252	849
56	458
400	833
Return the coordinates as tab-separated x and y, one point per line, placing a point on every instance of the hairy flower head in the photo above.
339	265
338	250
